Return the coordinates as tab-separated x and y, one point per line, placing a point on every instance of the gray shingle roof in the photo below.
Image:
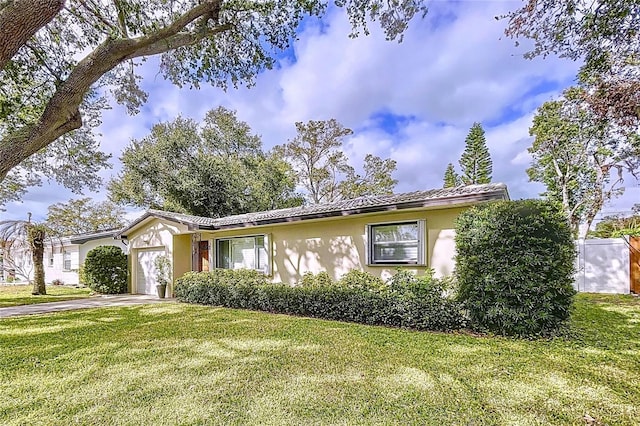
434	198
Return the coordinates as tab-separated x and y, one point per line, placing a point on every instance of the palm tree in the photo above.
34	234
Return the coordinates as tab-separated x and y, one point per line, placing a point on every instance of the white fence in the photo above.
603	266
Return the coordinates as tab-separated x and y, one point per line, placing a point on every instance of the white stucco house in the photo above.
62	257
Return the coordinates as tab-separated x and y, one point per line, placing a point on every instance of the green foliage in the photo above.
84	216
321	167
475	162
515	266
321	279
362	280
451	178
377	179
163	270
50	86
356	298
614	227
105	269
574	154
215	171
82	276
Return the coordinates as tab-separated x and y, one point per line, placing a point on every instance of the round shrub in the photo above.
105	270
515	266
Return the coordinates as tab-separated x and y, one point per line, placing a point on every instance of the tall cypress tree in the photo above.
475	162
451	178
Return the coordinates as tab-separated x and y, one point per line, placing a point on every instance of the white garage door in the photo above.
146	271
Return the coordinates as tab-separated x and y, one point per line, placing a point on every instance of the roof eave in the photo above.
458	201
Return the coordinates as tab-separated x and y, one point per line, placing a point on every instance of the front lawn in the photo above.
182	364
14	295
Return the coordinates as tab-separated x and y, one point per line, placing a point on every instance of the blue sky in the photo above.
413	102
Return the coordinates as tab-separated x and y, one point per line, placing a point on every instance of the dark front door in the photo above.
203	258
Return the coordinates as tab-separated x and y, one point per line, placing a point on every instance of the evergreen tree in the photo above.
451	178
475	161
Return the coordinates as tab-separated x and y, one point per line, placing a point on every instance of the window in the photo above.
51	259
401	243
243	253
66	261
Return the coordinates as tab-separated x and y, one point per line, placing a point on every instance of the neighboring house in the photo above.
376	234
62	256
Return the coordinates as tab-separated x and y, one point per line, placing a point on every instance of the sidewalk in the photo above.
91	302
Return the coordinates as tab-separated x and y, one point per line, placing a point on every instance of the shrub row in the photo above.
405	301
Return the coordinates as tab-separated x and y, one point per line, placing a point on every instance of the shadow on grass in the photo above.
174	363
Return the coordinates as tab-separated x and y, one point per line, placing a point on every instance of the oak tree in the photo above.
214	170
68	62
603	33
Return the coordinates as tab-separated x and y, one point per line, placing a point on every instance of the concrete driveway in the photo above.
91	302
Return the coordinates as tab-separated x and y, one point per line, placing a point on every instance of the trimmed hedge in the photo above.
355	298
515	266
105	270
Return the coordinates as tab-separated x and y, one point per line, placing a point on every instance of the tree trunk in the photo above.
36	236
20	20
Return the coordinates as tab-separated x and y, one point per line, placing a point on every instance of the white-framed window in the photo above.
250	252
50	261
397	243
66	260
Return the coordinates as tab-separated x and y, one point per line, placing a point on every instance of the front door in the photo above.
203	258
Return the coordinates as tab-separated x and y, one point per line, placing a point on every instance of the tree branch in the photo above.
61	113
18	23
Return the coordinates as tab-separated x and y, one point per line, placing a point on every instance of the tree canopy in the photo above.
322	169
217	169
617	226
83	215
604	33
451	178
475	162
580	157
60	68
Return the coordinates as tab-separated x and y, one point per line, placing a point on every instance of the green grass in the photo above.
14	295
174	363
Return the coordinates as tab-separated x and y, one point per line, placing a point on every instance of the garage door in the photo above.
146	271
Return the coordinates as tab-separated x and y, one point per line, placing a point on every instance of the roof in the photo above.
83	238
434	198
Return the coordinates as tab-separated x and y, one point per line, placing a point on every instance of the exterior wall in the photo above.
603	266
57	270
157	234
181	254
338	245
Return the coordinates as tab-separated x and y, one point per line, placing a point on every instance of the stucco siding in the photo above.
156	234
181	254
57	271
338	245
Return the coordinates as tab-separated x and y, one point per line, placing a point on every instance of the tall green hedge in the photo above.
409	301
105	270
515	267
